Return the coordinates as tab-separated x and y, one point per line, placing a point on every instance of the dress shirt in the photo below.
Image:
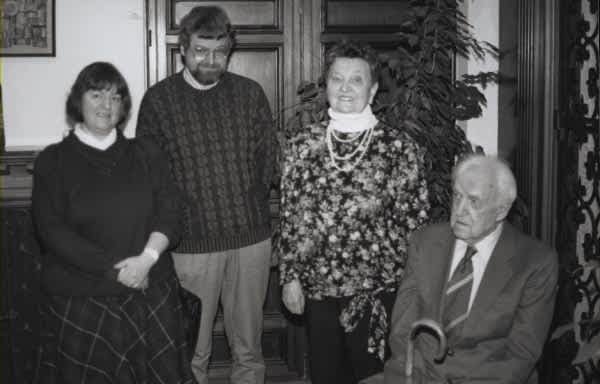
484	247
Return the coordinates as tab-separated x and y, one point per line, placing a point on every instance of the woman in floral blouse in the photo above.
352	190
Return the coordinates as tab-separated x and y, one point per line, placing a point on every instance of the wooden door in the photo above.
280	44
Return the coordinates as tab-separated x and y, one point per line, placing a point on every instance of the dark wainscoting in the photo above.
20	257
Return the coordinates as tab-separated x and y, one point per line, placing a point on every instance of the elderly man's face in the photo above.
475	205
207	58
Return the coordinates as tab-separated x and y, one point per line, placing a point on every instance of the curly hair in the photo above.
353	49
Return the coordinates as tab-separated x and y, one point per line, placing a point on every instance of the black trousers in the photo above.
337	356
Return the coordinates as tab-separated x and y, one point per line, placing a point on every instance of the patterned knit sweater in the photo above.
221	144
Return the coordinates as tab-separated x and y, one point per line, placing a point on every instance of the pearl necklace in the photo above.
360	150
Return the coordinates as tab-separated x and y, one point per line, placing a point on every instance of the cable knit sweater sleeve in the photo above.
266	144
148	123
48	212
167	197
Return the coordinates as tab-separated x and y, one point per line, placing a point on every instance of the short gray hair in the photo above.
504	180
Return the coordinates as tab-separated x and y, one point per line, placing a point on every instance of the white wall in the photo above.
484	17
34	89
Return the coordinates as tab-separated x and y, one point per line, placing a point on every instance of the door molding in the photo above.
537	84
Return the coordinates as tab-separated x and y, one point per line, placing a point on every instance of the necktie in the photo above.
458	293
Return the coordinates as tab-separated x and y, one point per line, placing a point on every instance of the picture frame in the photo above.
28	28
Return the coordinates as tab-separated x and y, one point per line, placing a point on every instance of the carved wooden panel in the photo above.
363	16
572	353
246	16
263	65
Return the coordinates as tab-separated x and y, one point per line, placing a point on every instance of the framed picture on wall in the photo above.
27	28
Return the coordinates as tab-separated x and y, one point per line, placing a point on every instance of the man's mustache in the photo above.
209	67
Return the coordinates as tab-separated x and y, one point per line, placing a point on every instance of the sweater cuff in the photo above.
167	230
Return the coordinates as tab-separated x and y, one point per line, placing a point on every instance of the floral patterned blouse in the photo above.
345	233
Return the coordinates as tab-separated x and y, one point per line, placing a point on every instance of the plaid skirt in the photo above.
132	339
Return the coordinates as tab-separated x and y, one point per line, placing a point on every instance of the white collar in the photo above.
191	80
484	246
94	141
352	122
488	241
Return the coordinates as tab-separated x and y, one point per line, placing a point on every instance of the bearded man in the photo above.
218	132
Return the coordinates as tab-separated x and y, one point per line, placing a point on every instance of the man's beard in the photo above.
207	75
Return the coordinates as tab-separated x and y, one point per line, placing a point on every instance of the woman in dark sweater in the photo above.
107	212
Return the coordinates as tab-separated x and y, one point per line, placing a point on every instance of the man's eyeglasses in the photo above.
217	54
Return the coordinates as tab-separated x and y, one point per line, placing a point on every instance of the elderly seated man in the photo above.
490	287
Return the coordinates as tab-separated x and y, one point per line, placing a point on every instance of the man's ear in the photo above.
182	50
503	209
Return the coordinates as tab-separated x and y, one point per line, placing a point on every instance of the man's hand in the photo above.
293	298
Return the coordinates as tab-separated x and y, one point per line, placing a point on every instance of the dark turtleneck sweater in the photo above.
93	208
221	144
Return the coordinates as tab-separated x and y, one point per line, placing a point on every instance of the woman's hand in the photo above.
293	298
133	271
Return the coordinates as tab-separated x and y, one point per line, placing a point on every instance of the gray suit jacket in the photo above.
503	336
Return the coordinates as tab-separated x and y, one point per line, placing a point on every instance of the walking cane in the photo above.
416	327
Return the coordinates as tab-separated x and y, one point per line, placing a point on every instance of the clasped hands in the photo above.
133	271
293	297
